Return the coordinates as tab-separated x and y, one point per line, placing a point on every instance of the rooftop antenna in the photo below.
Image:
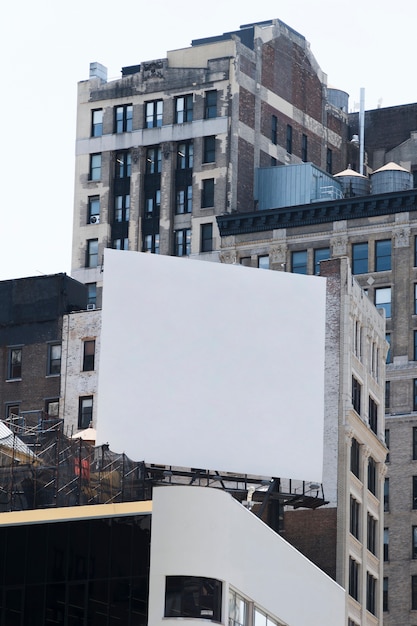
361	129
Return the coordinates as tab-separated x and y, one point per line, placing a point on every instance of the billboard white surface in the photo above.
213	366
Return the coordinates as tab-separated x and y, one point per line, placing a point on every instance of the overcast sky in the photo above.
46	48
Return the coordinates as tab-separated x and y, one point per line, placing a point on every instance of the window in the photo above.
353	578
274	162
184	109
385	594
372	475
414	492
123	118
211	104
354	517
151	243
388	340
184	200
182	242
85	412
122	208
355	458
54	359
93	209
414	543
373	415
414	443
371	593
357	339
383	255
14	364
387	444
92	253
386	495
387	395
91	293
121	243
356	395
415	251
97	123
383	299
246	261
206	237
185	155
321	254
304	148
263	261
299	262
386	544
289	139
415	299
95	167
371	535
123	164
329	161
262	619
238	610
154	112
52	407
193	596
152	203
209	149
153	161
12	409
359	258
414	593
89	350
274	129
207	193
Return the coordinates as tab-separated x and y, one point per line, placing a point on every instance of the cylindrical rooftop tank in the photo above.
391	177
353	183
338	98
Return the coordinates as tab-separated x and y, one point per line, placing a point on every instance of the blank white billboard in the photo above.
213	366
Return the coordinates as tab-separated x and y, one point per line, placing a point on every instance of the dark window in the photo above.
151	243
92	253
91	293
304	148
354	517
386	495
356	395
97	123
12	409
211	104
193	596
415	299
353	578
329	161
414	593
85	411
414	492
383	299
386	544
274	129
274	162
355	458
93	209
383	255
207	193
154	112
289	139
122	208
388	340
387	394
373	415
209	149
89	355
263	261
372	484
152	203
387	443
371	536
123	118
15	363
184	200
359	258
415	394
414	443
321	254
182	242
54	359
153	160
385	594
246	261
414	543
299	262
185	155
371	593
184	109
123	164
415	251
95	167
206	237
121	243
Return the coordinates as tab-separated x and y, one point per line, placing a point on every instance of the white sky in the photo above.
46	48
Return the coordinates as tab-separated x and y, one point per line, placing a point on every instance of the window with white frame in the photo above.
54	359
154	112
184	109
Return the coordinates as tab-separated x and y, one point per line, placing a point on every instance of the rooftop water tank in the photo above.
338	98
389	178
353	183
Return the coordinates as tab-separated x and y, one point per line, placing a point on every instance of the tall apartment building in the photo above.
175	142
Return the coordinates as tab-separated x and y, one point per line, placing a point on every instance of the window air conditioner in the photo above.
91	307
95	219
